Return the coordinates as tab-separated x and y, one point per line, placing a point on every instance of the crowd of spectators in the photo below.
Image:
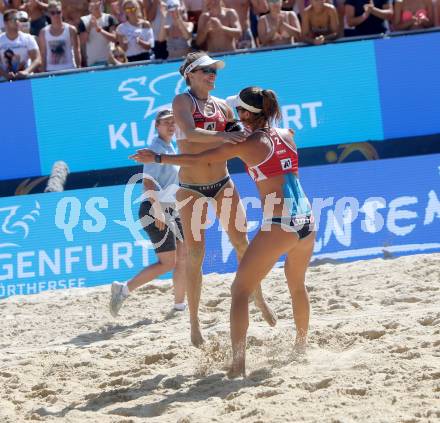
51	35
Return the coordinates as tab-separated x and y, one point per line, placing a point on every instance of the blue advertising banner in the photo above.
338	94
18	140
91	237
94	120
408	70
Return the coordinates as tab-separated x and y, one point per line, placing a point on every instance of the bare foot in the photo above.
300	347
268	314
196	337
236	370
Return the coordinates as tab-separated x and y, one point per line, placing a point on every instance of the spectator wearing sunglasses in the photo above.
219	28
114	7
96	32
136	35
19	53
59	43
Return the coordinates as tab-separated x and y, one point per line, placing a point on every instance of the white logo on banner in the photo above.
12	224
126	134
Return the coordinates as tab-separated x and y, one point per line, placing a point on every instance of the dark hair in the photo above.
190	58
262	99
8	13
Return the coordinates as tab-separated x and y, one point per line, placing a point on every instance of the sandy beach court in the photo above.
374	352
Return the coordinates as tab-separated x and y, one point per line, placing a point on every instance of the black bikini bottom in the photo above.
210	190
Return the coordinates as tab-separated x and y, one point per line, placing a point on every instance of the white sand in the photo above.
374	353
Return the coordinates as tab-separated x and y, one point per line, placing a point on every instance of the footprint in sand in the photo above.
411	356
356	391
41	392
391	325
175	382
254	341
116	382
407	300
5	374
315	386
268	393
209	322
430	320
273	383
214	302
155	358
253	413
399	350
372	334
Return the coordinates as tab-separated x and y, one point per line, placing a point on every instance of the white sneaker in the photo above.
180	306
117	298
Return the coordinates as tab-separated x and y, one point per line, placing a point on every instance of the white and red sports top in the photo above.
282	159
214	122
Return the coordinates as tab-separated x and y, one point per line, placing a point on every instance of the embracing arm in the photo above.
182	108
220	154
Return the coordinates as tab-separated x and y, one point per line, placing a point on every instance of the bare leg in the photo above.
194	237
256	264
166	263
179	276
295	268
232	217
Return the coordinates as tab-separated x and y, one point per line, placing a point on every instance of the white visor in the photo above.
236	101
203	62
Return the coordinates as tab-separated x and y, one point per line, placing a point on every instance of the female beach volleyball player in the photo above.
272	162
201	122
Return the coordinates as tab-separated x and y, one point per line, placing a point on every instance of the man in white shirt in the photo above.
19	53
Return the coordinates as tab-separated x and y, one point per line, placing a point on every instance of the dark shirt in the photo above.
107	20
373	24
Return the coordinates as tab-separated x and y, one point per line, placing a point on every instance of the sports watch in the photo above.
157	158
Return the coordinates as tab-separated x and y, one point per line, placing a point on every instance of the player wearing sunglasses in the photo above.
201	122
271	159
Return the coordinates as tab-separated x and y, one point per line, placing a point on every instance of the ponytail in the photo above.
271	109
265	104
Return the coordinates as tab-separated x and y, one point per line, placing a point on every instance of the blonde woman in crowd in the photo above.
135	36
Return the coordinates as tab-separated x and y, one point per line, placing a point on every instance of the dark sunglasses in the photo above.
55	12
23	20
207	71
